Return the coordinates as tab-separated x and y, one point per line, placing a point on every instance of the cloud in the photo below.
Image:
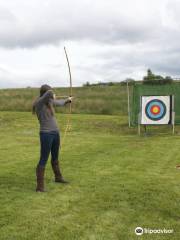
53	21
106	40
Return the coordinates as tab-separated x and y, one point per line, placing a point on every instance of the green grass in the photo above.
118	181
89	100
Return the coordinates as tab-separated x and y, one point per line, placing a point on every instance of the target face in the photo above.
155	109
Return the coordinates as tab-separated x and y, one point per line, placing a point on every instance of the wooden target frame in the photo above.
156	110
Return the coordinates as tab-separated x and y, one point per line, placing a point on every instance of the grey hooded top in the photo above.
46	119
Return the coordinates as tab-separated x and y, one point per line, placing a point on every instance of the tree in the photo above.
87	84
130	81
151	78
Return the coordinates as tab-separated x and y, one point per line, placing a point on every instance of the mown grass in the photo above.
118	181
88	100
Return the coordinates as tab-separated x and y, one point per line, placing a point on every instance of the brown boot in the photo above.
40	178
57	173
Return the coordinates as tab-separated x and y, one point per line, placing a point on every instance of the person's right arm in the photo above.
49	95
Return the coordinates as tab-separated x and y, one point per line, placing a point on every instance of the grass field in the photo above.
118	181
89	100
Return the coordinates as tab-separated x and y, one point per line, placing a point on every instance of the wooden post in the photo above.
173	122
128	106
139	125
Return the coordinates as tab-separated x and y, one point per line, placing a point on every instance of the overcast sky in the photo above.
106	40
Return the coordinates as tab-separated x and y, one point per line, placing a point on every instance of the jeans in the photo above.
50	143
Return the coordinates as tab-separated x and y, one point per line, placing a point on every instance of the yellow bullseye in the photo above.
155	109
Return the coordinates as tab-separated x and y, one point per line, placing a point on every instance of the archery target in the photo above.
155	109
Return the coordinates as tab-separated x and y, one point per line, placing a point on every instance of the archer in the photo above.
49	134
